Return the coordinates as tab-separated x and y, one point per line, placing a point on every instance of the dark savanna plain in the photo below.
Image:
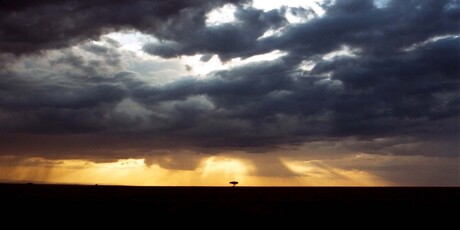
385	204
321	108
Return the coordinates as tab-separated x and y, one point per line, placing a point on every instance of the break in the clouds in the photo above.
384	74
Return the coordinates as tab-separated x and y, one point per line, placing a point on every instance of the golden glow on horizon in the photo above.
212	171
221	168
319	174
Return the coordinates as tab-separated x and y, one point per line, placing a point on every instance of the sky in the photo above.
203	92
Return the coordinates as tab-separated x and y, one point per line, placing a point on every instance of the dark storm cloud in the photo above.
31	26
73	90
44	106
359	24
369	97
412	87
399	82
402	81
229	40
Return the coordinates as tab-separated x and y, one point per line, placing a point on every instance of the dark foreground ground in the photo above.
377	203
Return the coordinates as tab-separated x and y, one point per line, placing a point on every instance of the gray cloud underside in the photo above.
400	83
31	26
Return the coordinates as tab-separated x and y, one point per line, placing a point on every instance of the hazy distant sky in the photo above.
202	92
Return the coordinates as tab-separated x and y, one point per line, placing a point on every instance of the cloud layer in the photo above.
397	80
28	27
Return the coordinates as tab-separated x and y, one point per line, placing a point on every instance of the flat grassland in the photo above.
226	202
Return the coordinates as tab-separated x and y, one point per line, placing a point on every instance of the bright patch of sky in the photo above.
270	5
132	40
272	33
307	65
150	68
258	58
381	3
343	51
222	15
430	40
160	71
200	68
